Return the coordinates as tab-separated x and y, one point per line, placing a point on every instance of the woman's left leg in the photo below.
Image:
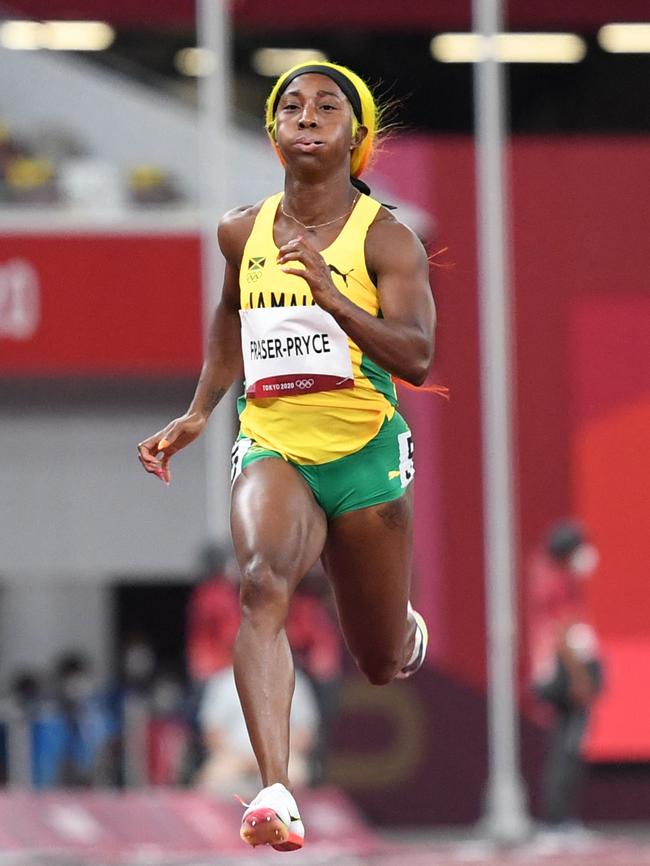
368	560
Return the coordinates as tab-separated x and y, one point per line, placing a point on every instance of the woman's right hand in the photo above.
155	452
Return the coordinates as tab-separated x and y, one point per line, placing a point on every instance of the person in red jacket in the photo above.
212	618
566	671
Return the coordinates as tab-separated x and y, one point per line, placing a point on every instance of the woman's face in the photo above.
314	122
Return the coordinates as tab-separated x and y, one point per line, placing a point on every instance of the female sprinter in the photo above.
325	298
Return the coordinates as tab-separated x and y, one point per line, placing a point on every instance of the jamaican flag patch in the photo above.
255	267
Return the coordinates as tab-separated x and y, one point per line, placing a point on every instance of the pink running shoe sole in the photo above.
263	827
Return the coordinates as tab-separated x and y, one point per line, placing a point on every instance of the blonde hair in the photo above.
370	112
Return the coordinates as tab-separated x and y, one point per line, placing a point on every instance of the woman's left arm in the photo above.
402	341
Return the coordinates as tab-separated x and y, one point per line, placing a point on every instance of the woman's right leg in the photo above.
278	533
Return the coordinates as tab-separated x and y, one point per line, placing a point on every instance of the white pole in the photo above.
505	818
213	29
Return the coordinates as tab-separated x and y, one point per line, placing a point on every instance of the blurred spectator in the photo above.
130	703
54	168
212	622
151	185
168	732
18	710
24	693
6	146
212	617
73	729
7	153
230	765
138	663
151	718
564	658
57	143
31	181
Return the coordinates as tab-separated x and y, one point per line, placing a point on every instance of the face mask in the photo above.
76	687
581	638
138	662
166	697
584	560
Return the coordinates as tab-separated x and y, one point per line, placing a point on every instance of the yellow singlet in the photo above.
318	427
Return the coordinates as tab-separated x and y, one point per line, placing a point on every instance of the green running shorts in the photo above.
378	472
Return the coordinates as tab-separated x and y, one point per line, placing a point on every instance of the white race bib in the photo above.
293	350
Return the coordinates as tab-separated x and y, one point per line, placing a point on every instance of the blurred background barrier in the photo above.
165	826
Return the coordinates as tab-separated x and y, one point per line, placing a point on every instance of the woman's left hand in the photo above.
316	271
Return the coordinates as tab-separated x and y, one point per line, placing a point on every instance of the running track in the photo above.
602	852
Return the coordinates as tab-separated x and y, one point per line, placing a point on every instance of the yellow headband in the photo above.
369	111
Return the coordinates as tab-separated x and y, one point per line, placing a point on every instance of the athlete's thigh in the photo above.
368	559
275	519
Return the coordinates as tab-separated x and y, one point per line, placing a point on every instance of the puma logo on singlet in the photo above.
344	276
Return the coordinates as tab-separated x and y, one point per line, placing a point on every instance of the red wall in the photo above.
100	305
581	298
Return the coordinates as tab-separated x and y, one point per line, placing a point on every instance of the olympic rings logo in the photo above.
304	384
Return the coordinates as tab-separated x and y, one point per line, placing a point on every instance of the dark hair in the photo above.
564	537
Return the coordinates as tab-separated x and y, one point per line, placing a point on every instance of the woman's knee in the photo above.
263	589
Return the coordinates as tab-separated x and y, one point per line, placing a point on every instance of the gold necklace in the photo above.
319	225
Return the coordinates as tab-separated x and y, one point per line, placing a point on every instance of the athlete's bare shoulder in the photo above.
234	228
388	239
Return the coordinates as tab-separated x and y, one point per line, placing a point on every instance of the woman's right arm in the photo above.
222	363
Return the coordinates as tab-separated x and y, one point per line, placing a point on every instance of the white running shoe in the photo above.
420	647
273	819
